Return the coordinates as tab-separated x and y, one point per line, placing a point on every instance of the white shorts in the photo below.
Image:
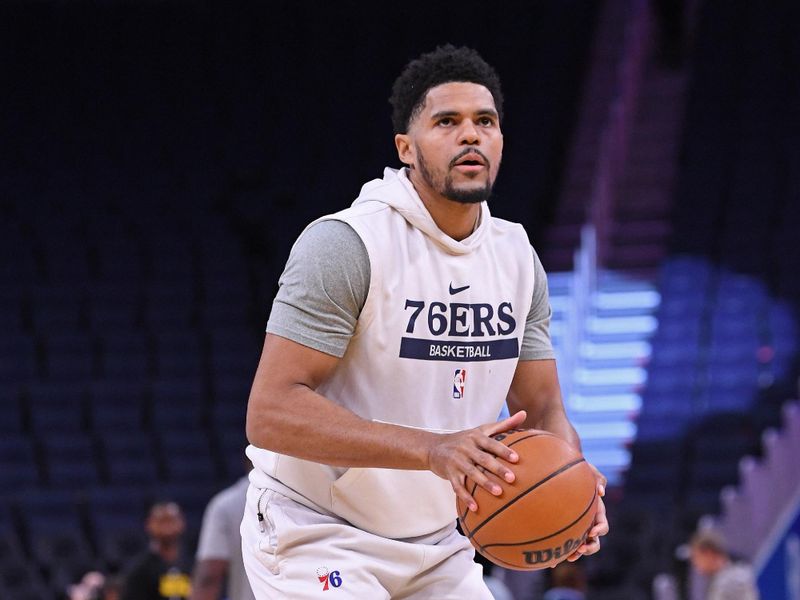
298	553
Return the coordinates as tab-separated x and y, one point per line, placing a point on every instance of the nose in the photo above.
468	133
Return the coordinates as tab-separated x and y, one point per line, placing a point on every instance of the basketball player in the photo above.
359	437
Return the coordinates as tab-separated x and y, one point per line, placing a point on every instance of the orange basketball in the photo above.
543	516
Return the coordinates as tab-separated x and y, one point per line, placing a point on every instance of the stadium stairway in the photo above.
602	323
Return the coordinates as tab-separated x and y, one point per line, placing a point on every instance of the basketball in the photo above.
541	518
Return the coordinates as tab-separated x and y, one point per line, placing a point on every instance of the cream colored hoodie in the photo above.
435	347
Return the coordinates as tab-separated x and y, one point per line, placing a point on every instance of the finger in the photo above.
590	546
487	460
600	526
481	477
463	494
602	481
512	422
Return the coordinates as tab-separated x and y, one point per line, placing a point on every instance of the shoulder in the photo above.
328	234
505	227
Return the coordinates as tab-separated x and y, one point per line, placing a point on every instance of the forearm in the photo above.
535	390
555	421
307	425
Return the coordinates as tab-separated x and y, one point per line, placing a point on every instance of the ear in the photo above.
405	149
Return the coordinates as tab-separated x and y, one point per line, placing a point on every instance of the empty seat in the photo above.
122	414
68	357
114	306
229	415
129	457
55	310
178	403
179	354
187	455
17	357
57	413
21	581
11	414
60	547
10	546
125	355
118	259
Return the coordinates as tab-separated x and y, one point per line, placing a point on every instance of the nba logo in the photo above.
458	383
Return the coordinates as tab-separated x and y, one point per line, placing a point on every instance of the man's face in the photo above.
165	522
705	562
454	144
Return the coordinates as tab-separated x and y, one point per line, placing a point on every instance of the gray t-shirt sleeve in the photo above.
536	343
322	289
325	284
214	541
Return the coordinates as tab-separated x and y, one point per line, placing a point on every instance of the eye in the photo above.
486	121
445	122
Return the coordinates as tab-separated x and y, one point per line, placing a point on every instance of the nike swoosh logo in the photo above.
457	290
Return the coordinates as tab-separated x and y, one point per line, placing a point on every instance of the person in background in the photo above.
568	582
160	572
219	550
727	579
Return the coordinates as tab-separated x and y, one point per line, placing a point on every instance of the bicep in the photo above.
285	362
287	372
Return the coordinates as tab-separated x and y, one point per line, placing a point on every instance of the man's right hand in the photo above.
473	454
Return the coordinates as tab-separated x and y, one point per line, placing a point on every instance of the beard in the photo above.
445	185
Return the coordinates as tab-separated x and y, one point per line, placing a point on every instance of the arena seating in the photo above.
145	220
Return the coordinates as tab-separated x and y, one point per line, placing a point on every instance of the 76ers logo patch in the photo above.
459	380
328	579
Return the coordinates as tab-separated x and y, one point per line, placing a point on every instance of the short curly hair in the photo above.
443	65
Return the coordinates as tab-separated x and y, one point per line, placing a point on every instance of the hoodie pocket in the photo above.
268	540
394	503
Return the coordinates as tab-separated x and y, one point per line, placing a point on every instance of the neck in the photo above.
456	219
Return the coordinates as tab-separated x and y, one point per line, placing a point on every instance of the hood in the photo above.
396	190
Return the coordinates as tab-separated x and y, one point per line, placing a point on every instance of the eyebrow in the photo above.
453	113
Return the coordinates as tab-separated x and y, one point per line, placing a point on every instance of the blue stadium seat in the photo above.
124	414
179	354
55	309
10	546
20	581
11	415
70	460
18	465
11	309
118	259
68	357
17	357
178	403
187	456
57	413
125	355
129	457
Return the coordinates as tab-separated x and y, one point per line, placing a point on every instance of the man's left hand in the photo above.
600	526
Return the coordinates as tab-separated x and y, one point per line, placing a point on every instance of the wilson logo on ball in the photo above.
538	557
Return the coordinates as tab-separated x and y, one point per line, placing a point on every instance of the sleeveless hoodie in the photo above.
435	347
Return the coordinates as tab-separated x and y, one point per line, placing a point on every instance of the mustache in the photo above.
466	151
